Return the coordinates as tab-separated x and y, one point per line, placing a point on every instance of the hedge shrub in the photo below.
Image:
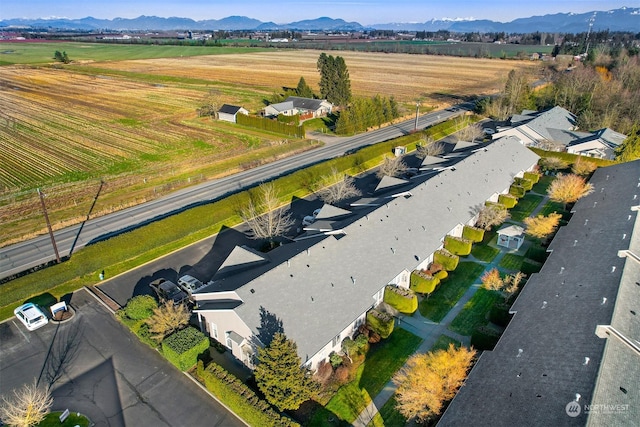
271	125
183	347
571	158
140	307
474	234
423	283
524	183
457	245
239	398
441	275
446	259
484	338
532	176
499	314
516	190
507	200
380	323
403	300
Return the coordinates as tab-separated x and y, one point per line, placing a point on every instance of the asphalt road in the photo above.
98	368
38	251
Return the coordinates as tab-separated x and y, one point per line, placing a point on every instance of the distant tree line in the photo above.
365	113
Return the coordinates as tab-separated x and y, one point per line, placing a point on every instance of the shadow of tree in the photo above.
270	325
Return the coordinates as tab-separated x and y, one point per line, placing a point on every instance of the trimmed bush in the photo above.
516	191
507	200
474	234
570	158
239	398
403	300
524	183
457	245
380	323
140	307
532	176
484	338
446	259
441	275
499	314
424	283
183	347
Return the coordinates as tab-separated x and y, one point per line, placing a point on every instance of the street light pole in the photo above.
415	126
46	217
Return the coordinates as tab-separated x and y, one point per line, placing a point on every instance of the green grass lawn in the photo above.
42	53
484	253
383	360
525	206
475	312
551	207
512	262
449	292
536	253
541	186
390	415
53	420
442	343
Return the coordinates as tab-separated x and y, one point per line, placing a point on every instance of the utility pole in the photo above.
415	126
46	217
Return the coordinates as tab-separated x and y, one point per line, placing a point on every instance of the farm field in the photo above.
132	123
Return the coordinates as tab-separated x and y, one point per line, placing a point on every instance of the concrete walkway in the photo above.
429	330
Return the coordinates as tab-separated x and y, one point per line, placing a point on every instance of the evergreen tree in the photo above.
630	149
335	85
303	89
279	376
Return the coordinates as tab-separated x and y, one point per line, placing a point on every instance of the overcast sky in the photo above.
365	12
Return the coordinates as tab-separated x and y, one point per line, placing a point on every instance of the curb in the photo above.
188	375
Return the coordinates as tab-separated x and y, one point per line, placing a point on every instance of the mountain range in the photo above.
623	19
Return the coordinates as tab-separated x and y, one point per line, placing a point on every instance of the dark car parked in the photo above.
166	290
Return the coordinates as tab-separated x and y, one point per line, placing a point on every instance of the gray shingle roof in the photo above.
241	257
554	118
388	182
329	211
511	230
319	292
538	366
229	109
305	103
282	106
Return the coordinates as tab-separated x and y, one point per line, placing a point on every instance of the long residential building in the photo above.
318	291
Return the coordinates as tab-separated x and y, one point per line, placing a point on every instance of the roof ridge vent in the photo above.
586	361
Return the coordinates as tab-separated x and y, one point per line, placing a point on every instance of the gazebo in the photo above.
511	236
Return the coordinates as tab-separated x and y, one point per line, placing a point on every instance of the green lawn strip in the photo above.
382	361
449	292
390	415
512	262
536	253
475	311
52	419
525	206
484	252
442	343
42	53
551	207
541	186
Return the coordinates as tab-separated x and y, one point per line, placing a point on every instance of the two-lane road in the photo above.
20	257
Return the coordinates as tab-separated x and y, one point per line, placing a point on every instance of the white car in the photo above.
189	284
308	220
31	316
488	131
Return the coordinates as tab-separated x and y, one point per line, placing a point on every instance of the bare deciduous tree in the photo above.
340	187
583	167
428	380
26	406
471	133
491	280
264	215
552	164
392	166
429	148
166	319
512	284
491	215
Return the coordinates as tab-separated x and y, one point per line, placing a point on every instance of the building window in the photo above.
229	342
335	341
214	330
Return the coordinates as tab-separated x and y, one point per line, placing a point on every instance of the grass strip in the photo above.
449	292
390	415
512	262
474	313
484	252
525	206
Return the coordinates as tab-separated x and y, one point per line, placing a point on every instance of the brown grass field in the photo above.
133	123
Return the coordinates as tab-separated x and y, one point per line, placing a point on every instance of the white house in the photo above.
511	236
318	292
228	112
555	129
307	108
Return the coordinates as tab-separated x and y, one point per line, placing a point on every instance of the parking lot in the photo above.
97	367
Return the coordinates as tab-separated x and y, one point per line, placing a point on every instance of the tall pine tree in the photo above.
279	376
335	85
303	89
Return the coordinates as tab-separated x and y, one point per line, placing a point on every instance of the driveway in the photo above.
97	367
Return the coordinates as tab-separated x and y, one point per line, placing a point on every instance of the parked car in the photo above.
308	220
488	131
166	290
189	284
31	316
